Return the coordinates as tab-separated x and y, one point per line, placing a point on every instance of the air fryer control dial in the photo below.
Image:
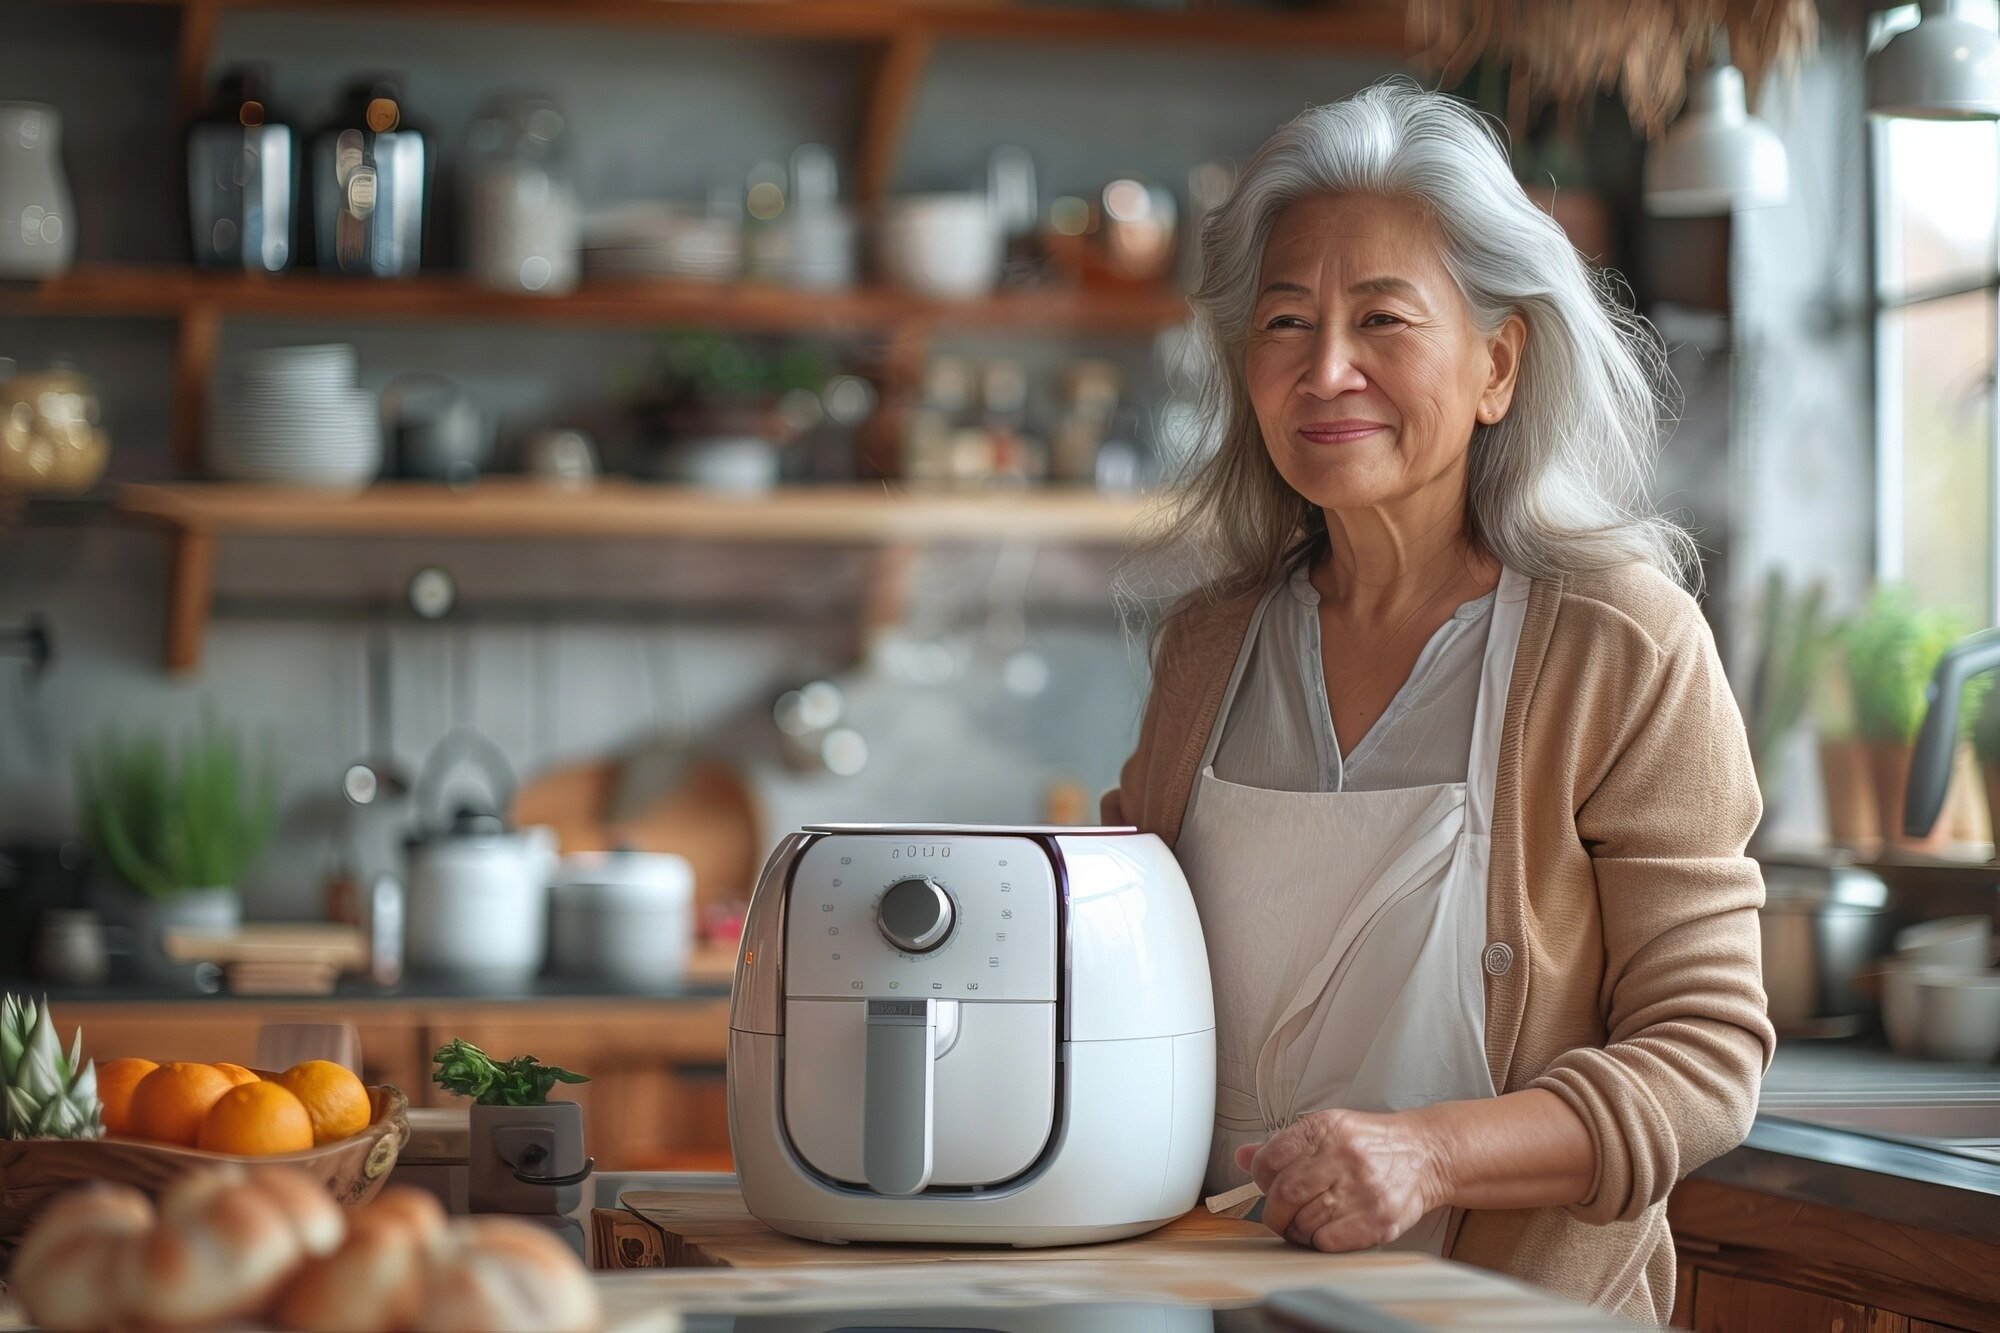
915	915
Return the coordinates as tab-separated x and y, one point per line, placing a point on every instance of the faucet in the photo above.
1937	738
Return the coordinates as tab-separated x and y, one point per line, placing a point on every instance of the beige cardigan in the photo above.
1621	910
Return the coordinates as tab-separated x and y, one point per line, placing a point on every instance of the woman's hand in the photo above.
1345	1180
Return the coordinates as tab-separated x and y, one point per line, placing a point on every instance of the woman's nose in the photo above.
1332	371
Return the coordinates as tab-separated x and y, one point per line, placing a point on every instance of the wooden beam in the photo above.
899	73
191	56
194	367
190	591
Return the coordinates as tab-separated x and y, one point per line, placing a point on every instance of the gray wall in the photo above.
655	112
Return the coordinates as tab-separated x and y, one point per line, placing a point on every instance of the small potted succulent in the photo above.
526	1153
1891	649
177	827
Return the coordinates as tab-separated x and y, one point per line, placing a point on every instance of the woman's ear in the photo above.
1503	350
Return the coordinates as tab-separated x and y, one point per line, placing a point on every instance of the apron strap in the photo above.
1236	677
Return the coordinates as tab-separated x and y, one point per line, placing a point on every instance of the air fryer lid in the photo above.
920	1009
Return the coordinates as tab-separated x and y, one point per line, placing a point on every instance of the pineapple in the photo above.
46	1096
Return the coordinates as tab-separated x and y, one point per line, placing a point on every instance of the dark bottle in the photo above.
242	174
370	181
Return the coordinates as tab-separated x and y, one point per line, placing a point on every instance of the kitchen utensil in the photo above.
242	162
39	238
437	431
1936	748
380	778
925	991
477	905
1821	924
1961	1014
369	178
49	436
941	245
1952	941
522	221
625	918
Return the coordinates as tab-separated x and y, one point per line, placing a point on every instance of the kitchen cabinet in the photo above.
1756	1261
654	1100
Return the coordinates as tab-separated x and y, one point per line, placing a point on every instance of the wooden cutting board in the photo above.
726	1260
699	1229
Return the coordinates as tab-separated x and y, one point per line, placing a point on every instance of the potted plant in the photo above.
526	1153
1793	639
1847	782
177	827
1892	647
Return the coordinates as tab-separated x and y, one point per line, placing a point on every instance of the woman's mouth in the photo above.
1343	431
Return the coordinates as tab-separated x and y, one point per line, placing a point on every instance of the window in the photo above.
1936	192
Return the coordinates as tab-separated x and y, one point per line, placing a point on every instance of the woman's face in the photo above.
1363	362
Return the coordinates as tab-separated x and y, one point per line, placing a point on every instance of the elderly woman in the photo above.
1443	743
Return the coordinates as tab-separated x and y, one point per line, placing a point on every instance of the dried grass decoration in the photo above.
1567	51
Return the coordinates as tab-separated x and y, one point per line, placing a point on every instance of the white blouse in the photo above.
1279	733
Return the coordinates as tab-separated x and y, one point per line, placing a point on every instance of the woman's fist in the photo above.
1345	1180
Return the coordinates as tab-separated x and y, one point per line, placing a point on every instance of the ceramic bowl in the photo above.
1952	941
1961	1014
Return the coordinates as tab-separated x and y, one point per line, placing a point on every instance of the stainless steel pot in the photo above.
1822	924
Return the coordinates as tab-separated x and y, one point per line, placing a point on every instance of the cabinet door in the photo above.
646	1105
1726	1304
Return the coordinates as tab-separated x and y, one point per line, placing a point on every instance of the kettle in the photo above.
478	895
1937	738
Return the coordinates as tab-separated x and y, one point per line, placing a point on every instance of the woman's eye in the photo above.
1284	322
1381	319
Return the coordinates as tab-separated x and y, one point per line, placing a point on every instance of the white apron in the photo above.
1345	933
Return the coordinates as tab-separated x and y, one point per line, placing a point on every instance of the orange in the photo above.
237	1073
333	1097
115	1081
256	1120
169	1103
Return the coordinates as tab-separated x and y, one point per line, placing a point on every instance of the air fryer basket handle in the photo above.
899	1103
1937	738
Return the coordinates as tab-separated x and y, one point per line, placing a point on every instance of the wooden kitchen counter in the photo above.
708	1252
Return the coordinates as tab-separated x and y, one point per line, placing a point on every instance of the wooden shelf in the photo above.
169	291
199	514
1362	26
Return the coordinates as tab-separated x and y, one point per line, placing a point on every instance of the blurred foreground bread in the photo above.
227	1239
375	1281
267	1245
66	1268
502	1274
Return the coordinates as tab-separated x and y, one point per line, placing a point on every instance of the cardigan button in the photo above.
1499	959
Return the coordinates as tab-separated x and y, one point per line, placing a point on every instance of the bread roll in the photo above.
502	1274
66	1268
319	1222
375	1281
220	1252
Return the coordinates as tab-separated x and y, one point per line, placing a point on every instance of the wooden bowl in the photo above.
33	1171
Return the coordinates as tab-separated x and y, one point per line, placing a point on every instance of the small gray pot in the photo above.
514	1147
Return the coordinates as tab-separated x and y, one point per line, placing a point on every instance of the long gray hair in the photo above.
1561	484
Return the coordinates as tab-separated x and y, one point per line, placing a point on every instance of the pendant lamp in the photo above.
1945	68
1717	157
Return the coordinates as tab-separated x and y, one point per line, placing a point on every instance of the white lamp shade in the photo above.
1717	157
1945	68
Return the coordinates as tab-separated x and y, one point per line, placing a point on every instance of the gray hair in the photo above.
1561	484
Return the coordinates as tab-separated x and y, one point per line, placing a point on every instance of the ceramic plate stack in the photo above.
807	247
294	415
663	240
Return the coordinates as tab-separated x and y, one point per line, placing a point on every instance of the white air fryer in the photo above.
971	1034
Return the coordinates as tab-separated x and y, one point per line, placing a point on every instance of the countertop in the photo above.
353	990
1833	1127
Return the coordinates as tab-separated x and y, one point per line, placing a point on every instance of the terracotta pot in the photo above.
1849	784
1965	816
1890	763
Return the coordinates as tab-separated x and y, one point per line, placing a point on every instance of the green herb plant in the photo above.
466	1071
1795	638
171	820
1892	647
